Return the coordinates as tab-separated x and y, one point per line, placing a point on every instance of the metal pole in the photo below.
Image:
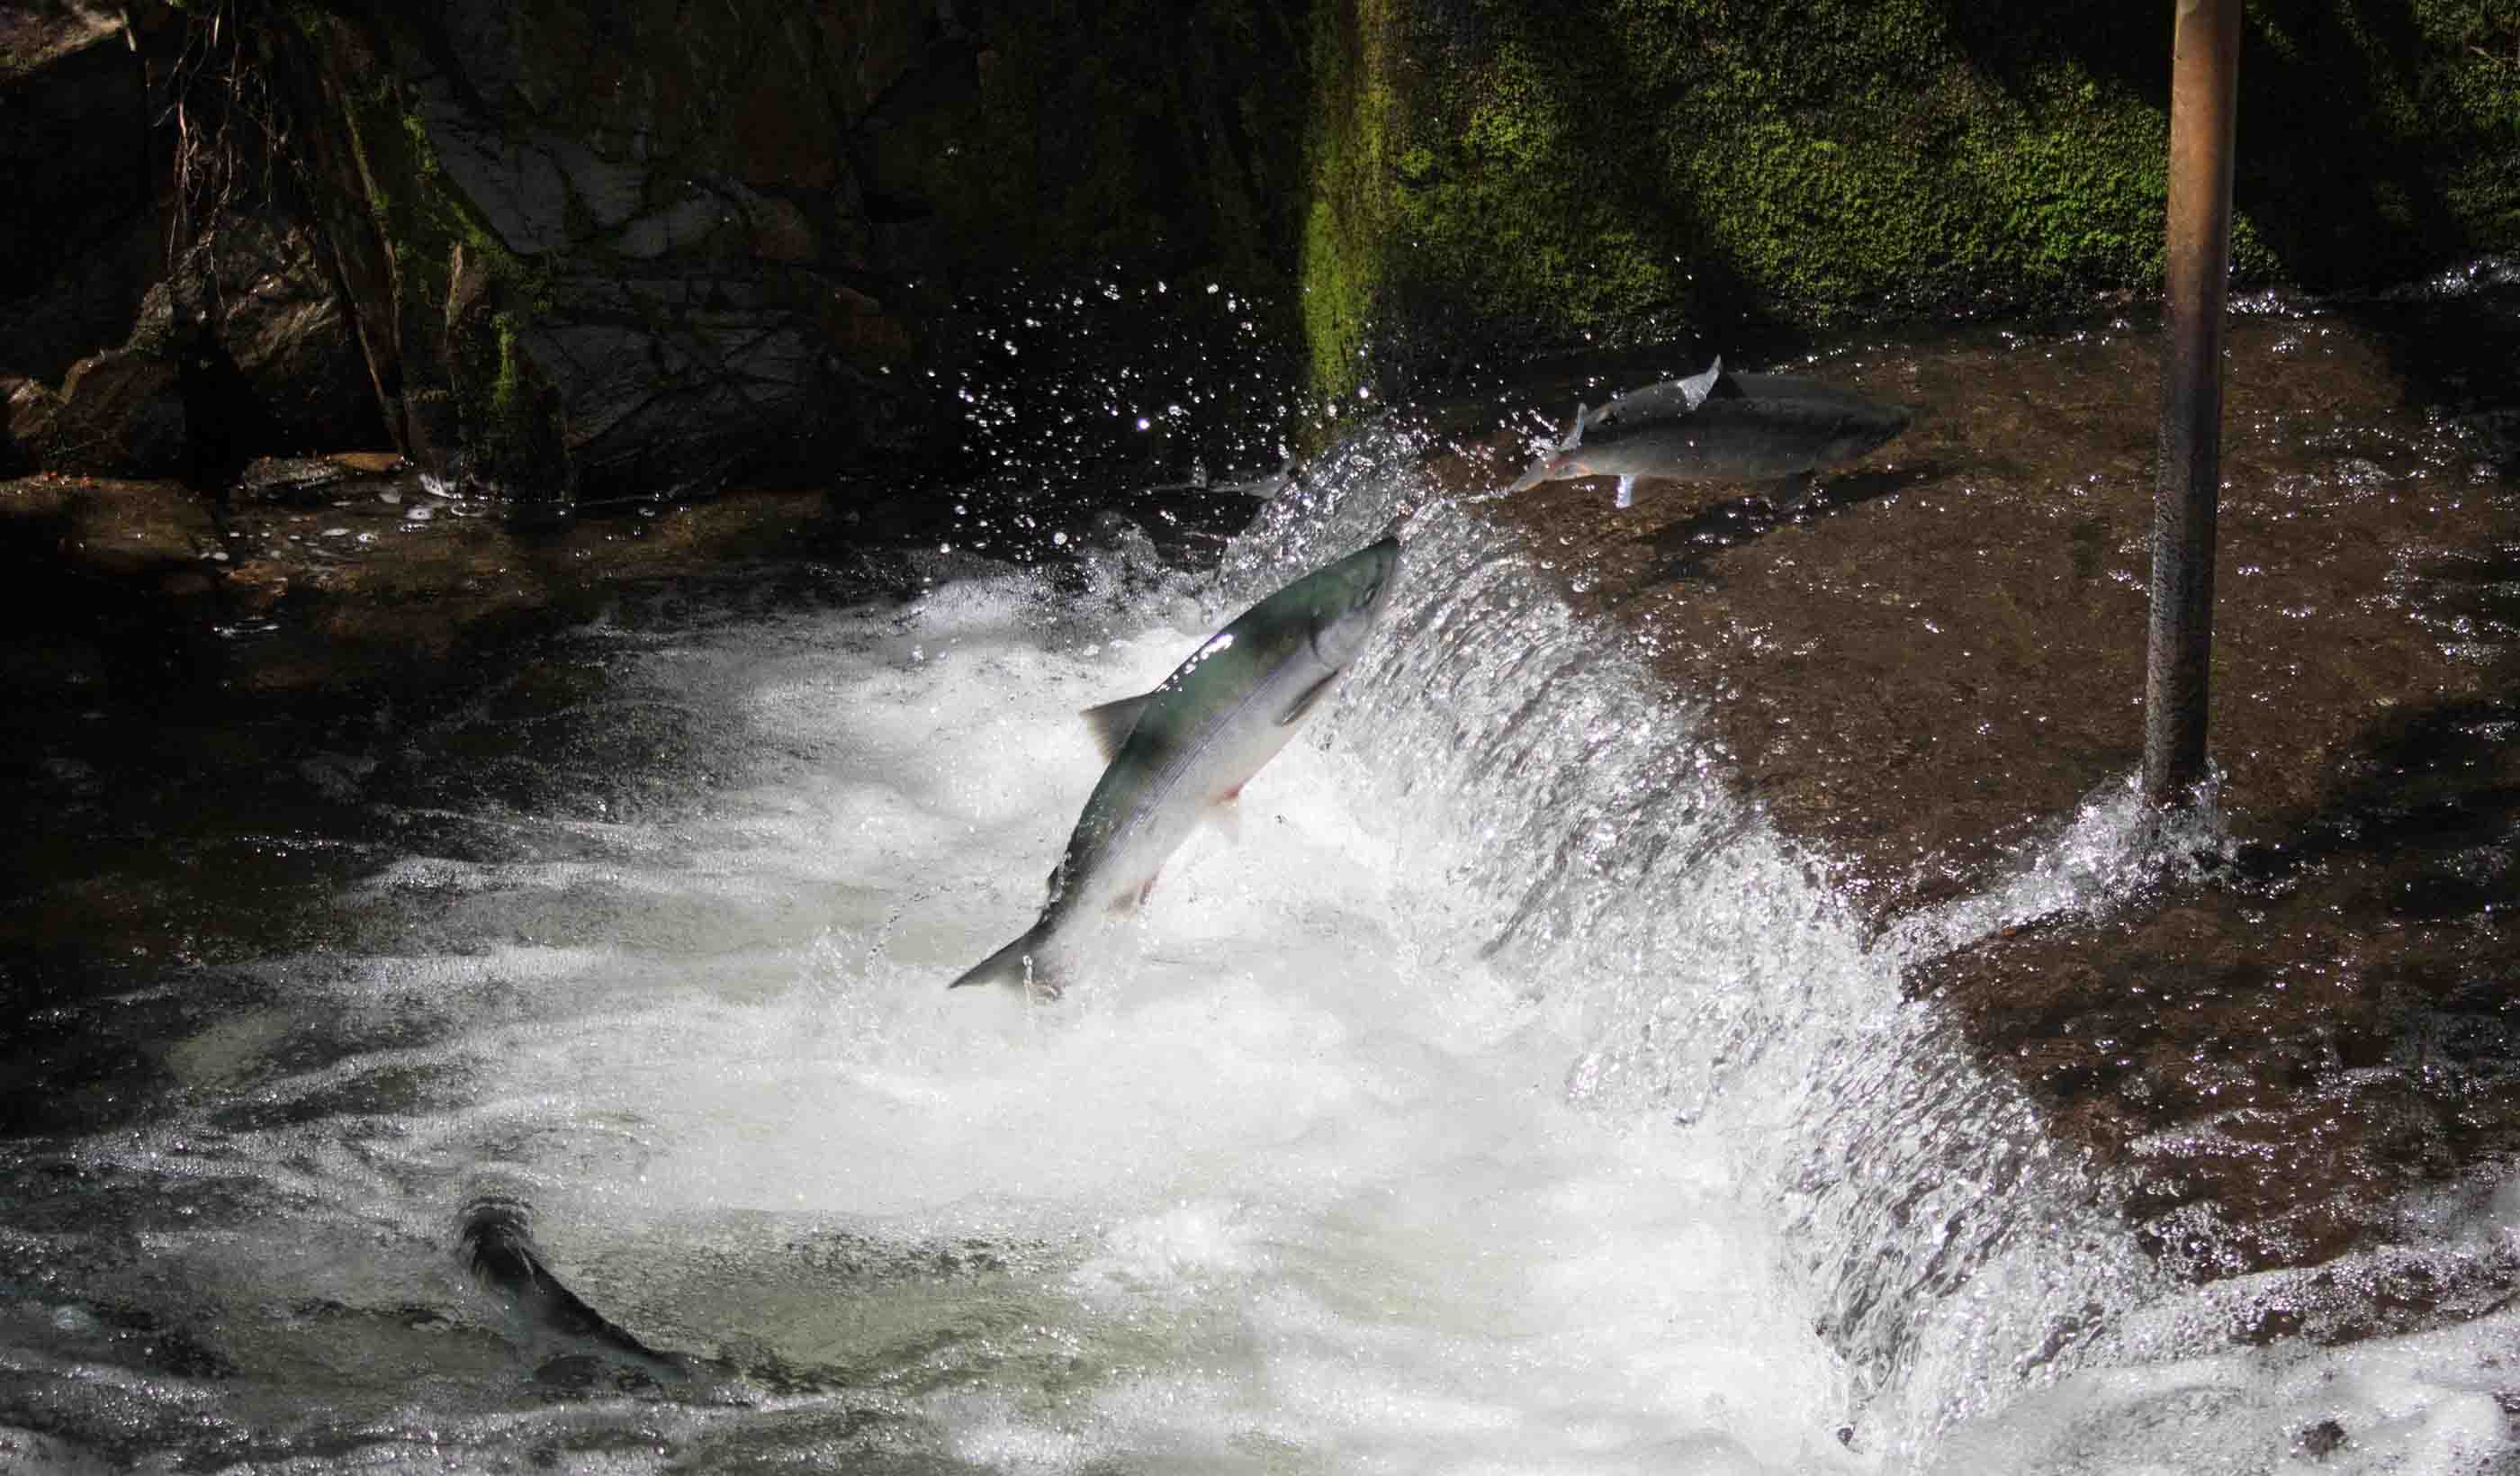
2205	64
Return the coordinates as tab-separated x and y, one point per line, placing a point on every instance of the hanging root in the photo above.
230	125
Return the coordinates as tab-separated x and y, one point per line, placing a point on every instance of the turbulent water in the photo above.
1497	1093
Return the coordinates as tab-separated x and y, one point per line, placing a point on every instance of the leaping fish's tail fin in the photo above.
1022	965
1574	433
495	1243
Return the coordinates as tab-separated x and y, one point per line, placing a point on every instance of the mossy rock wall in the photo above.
702	241
1510	172
752	237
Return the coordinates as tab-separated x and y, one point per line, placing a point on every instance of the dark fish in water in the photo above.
496	1246
1189	745
1715	426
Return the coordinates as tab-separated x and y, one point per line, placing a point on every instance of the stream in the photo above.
1503	1093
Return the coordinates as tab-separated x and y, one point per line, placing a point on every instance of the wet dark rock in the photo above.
1926	672
657	297
26	412
696	245
77	241
294	479
240	303
149	537
1939	656
672	382
279	335
120	413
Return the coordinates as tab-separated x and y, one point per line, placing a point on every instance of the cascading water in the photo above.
1506	1097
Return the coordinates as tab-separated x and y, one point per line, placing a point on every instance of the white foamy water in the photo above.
1502	1097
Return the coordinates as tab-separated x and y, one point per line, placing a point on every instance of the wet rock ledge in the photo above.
1935	664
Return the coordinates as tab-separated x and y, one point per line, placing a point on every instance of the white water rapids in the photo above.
1506	1097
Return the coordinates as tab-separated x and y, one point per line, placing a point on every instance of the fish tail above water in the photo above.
495	1242
1021	966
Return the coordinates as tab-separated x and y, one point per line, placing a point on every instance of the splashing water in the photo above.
1506	1097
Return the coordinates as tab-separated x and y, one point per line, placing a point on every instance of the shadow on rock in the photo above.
1683	548
2318	1049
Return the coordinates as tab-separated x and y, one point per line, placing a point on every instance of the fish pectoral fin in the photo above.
1697	386
1311	698
1111	723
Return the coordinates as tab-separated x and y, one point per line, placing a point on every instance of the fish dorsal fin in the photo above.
1697	386
1574	433
1113	721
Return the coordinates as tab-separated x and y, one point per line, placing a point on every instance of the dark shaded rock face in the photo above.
77	241
279	338
704	243
620	253
120	413
143	361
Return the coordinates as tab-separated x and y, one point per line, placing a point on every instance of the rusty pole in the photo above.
2205	64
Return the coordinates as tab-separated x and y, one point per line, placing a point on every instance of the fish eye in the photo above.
1366	598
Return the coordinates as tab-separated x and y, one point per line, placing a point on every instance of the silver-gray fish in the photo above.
1189	745
1715	426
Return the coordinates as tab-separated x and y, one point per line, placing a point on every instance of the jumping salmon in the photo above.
1189	745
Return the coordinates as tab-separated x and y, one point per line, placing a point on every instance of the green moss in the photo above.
1514	172
1342	267
509	435
507	404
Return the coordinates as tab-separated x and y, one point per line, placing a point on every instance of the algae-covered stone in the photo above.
1504	171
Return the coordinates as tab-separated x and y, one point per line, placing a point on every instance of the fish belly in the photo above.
1157	810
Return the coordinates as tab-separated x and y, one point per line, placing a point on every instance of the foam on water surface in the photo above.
1292	1169
1504	1096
